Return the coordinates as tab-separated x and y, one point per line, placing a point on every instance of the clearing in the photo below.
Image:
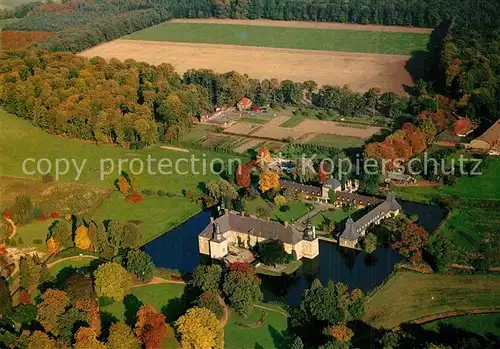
361	71
408	296
285	37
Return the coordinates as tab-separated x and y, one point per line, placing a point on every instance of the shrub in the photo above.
284	208
47	177
37	241
54	215
42	218
148	192
20	241
135	198
211	301
162	193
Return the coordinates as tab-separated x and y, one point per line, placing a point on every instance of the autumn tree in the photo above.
90	308
79	287
53	245
123	185
263	156
280	200
150	327
340	333
243	175
122	337
140	264
200	329
32	271
410	240
111	281
53	305
221	189
323	172
40	340
86	338
269	180
82	239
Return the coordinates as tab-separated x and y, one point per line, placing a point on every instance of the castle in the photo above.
232	229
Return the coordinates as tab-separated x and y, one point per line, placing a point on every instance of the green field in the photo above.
408	296
21	140
335	216
71	263
484	325
337	141
286	37
272	334
297	210
35	230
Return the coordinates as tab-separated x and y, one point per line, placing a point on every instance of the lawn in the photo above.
286	37
408	296
293	121
35	230
296	210
71	263
335	216
166	298
254	120
485	325
272	334
20	140
337	141
156	214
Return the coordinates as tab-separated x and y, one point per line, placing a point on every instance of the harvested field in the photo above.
248	145
312	25
336	128
242	128
360	71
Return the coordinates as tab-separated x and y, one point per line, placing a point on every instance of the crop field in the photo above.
285	37
374	57
408	296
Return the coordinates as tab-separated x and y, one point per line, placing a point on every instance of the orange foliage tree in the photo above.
269	180
82	239
243	175
17	39
340	333
410	240
123	185
52	245
86	338
263	156
91	309
150	327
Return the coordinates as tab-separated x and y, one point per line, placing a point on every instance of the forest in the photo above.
136	104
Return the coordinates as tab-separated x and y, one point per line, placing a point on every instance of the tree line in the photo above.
135	104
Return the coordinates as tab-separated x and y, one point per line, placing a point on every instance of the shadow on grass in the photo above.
132	306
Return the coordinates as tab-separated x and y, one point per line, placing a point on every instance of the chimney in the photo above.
242	213
211	219
285	223
314	232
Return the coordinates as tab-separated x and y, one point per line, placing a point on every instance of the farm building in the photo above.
355	230
489	141
231	230
463	127
244	104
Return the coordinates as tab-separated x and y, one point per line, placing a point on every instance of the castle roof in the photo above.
354	230
304	188
254	226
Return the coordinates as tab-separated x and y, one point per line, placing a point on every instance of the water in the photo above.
178	249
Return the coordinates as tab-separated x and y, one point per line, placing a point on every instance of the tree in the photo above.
82	239
263	156
323	172
53	245
91	310
122	337
54	304
269	180
61	232
213	302
86	338
200	329
39	340
221	189
24	314
32	271
243	176
68	322
303	170
272	252
150	327
5	298
410	240
335	345
123	185
280	200
242	289
111	281
79	287
297	343
369	243
140	264
207	277
340	333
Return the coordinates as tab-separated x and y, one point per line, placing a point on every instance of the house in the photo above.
313	192
463	127
489	141
244	104
231	229
355	230
399	177
360	201
204	118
